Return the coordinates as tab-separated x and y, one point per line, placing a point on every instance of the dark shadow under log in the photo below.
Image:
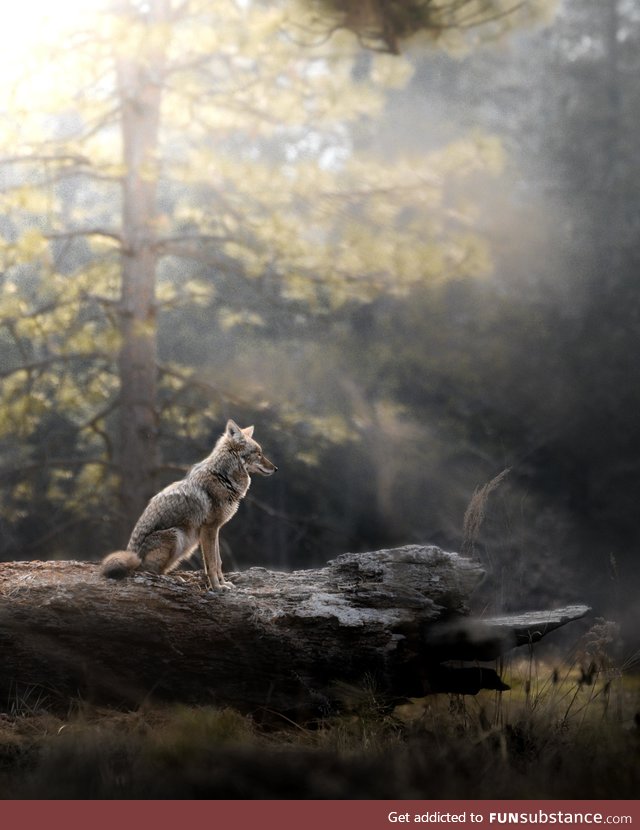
285	642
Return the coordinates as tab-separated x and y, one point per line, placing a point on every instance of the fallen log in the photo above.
285	642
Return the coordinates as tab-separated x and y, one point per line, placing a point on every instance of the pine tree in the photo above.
165	149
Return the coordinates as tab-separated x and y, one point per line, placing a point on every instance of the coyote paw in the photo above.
220	584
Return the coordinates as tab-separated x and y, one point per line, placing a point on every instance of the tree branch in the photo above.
39	158
47	362
57	462
72	234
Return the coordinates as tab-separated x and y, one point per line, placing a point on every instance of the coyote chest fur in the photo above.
191	512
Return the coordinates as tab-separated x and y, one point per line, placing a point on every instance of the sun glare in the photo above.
30	24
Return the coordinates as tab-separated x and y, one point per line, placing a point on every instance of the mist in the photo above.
446	291
527	368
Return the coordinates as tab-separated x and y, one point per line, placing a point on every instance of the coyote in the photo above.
193	510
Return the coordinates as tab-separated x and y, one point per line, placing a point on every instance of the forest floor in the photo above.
559	733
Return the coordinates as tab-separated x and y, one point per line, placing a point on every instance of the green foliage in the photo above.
402	304
264	206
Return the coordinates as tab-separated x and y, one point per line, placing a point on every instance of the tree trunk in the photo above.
294	642
140	80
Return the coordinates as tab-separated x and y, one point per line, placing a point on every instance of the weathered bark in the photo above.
290	642
140	83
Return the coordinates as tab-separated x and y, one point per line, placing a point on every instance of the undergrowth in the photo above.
565	730
569	728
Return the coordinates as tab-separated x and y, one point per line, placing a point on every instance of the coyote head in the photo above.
250	451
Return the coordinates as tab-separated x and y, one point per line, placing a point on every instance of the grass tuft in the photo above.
552	736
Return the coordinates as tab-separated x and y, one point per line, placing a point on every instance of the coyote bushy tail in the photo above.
191	512
121	563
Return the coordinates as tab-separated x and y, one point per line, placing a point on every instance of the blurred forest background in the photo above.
410	271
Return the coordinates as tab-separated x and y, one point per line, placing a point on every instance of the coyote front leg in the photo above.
210	545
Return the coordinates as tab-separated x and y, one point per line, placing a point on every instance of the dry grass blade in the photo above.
475	513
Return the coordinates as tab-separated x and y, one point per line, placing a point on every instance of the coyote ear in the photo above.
233	430
248	431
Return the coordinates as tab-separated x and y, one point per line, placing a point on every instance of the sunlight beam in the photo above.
29	25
